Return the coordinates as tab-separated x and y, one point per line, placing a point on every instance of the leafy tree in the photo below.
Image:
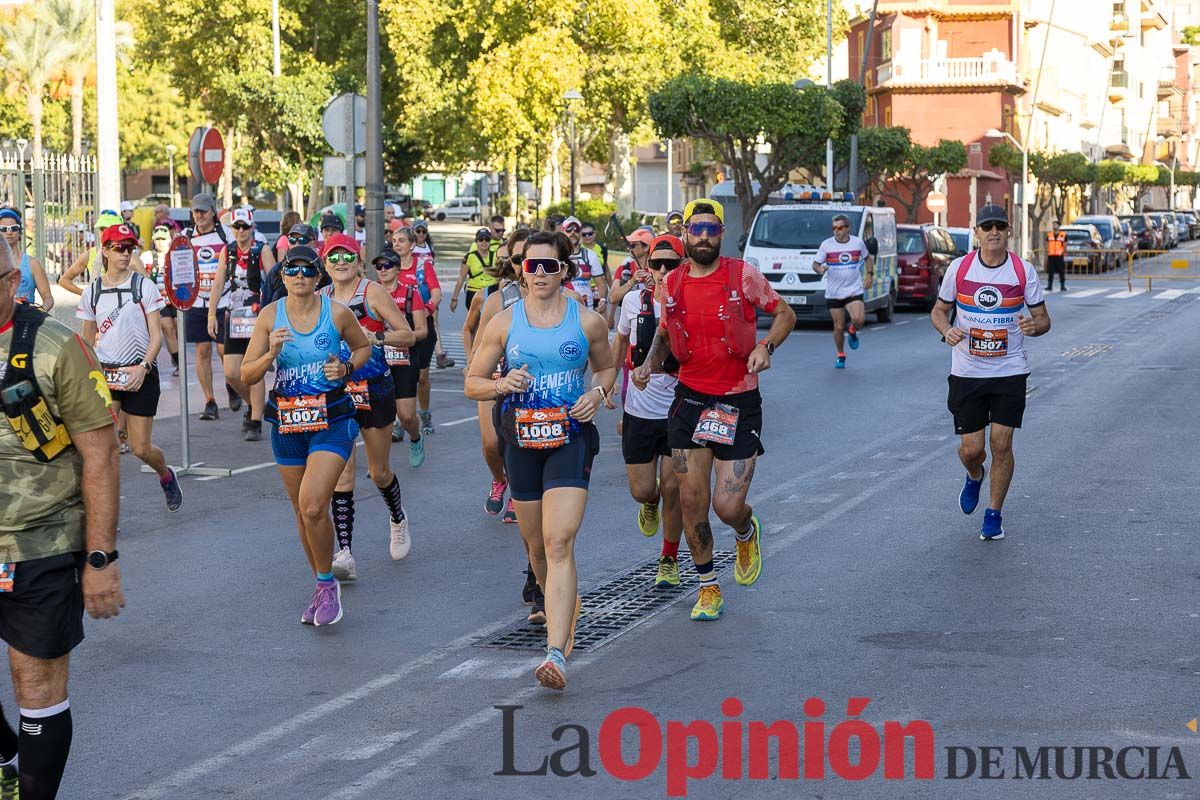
161	116
1062	176
882	152
737	119
1139	178
912	182
31	53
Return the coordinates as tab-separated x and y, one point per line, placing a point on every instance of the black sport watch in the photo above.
379	336
98	559
767	343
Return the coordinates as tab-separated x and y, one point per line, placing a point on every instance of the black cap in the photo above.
303	229
388	257
483	233
421	224
991	213
675	214
301	253
332	221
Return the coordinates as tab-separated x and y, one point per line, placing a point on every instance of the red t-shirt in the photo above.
400	295
711	369
408	275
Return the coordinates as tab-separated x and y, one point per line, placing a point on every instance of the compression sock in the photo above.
391	496
8	739
746	535
343	518
670	549
45	743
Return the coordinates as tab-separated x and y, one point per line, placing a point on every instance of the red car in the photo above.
923	252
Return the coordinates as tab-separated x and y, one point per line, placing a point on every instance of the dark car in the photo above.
923	252
1170	234
1144	231
1111	238
1085	249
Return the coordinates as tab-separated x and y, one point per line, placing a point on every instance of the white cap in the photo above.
244	214
571	221
127	205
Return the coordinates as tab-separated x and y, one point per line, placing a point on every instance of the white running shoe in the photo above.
343	565
400	542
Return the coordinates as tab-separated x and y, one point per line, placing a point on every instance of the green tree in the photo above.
737	119
1062	176
160	116
882	151
32	55
916	175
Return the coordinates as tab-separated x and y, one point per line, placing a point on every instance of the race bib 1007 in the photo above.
542	428
302	414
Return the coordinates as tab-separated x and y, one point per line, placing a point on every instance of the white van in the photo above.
784	239
465	208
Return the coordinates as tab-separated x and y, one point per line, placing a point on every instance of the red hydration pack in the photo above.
738	315
969	259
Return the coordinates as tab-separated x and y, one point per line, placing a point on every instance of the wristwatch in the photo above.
769	345
98	559
379	336
147	365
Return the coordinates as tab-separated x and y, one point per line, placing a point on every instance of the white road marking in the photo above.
1170	294
904	322
1088	292
1126	294
452	423
489	668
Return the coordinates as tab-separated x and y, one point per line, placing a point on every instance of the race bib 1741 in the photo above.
117	379
301	414
542	428
988	342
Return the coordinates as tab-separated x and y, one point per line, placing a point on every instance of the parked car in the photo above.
1129	237
922	253
1170	238
466	208
1085	249
1109	228
1144	230
1193	221
964	240
1181	225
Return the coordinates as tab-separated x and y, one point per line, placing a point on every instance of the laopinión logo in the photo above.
633	744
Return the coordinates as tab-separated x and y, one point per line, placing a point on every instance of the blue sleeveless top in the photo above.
300	366
25	292
555	357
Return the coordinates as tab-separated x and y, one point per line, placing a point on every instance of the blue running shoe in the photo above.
968	498
840	363
992	530
416	453
172	491
853	334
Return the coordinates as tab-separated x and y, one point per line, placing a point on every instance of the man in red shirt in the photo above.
710	306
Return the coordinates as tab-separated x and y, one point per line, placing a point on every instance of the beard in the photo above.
704	252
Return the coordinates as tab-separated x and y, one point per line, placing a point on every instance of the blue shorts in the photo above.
293	449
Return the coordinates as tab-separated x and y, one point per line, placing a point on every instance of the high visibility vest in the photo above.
1056	243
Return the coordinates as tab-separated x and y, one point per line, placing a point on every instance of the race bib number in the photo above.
717	424
542	428
117	379
302	414
241	323
395	356
207	278
359	394
7	573
987	343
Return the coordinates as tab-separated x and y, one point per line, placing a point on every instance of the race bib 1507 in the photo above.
989	343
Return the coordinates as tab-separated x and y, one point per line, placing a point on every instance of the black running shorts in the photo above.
531	473
643	440
43	615
685	415
977	402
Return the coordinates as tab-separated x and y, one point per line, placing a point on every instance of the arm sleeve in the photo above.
758	290
949	289
83	399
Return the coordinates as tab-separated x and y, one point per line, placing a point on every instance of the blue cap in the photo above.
10	213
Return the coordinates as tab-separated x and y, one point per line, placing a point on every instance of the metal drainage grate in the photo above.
616	606
1087	350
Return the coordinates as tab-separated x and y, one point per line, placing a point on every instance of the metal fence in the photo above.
1139	266
56	195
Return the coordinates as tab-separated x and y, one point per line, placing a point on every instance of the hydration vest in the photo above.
738	317
135	289
254	276
647	328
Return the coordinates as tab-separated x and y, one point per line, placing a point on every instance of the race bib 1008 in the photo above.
988	343
542	428
302	414
717	424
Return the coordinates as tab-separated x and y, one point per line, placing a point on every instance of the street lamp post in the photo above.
171	149
995	133
571	96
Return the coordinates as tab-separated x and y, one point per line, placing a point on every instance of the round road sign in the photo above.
212	155
936	202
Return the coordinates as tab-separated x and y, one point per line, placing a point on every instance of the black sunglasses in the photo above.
241	226
993	226
295	238
665	263
587	233
482	239
307	270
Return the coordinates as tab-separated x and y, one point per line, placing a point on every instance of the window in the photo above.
859	42
885	44
868	227
797	227
887	116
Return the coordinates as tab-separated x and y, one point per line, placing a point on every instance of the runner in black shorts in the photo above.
374	398
403	360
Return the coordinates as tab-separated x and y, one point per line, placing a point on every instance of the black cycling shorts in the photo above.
43	615
405	380
977	402
531	473
143	402
382	398
842	303
195	325
685	415
643	440
422	351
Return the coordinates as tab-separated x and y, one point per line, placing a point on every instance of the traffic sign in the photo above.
344	122
193	156
212	155
936	202
181	280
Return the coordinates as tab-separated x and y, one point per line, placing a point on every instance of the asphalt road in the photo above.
1079	629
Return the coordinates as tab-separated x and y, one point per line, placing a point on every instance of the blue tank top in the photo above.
25	292
300	366
555	357
376	365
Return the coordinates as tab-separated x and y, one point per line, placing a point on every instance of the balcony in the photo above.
1118	85
1167	88
1170	126
990	70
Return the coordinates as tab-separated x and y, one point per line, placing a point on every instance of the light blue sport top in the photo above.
300	366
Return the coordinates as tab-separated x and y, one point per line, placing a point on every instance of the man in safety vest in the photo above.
476	271
1056	248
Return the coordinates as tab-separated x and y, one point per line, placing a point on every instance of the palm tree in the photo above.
31	54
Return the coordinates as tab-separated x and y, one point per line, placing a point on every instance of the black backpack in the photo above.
135	289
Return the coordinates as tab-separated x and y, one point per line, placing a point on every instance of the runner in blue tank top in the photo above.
374	395
33	274
547	342
311	415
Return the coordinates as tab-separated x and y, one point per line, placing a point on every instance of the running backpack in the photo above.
135	289
738	315
647	327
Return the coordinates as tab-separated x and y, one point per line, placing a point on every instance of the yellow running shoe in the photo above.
710	605
668	572
648	518
574	621
748	565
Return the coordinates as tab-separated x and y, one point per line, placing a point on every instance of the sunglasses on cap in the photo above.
701	228
295	238
993	226
341	257
548	266
305	269
121	247
665	263
10	228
